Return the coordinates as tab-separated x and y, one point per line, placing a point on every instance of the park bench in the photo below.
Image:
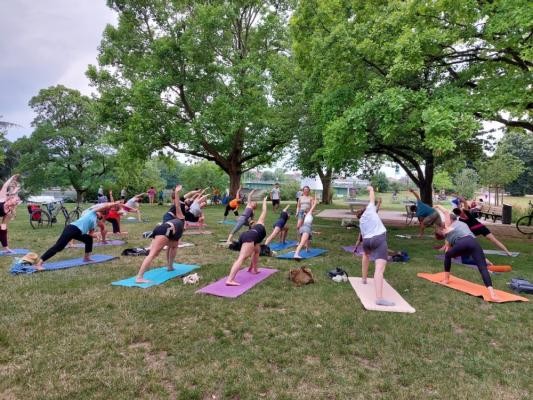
489	211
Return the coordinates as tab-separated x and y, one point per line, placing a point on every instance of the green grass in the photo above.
71	335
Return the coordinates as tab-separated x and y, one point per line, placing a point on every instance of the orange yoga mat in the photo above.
471	288
500	268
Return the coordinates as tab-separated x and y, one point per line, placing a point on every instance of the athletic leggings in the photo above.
228	209
70	232
468	246
3	237
114	223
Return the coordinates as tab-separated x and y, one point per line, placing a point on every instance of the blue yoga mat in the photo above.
157	276
228	222
63	264
304	254
15	252
283	246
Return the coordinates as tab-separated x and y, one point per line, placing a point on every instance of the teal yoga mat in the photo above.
157	276
283	246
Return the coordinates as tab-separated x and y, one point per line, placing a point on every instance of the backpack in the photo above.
301	276
265	251
402	257
136	251
521	285
337	271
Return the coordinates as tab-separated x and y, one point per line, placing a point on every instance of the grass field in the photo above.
71	335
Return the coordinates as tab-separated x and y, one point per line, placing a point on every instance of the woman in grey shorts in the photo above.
245	218
374	235
306	230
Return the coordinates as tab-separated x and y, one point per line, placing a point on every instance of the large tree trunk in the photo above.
325	178
234	181
426	182
80	195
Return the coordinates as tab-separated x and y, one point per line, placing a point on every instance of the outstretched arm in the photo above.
371	195
314	202
105	206
286	208
179	213
415	194
262	217
250	196
111	196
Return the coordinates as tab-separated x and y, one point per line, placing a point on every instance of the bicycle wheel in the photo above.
39	219
524	225
72	216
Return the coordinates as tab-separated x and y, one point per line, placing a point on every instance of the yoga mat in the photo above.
350	249
15	252
470	288
196	232
245	278
283	246
456	260
367	295
196	225
304	254
501	253
228	222
415	236
157	276
98	244
76	262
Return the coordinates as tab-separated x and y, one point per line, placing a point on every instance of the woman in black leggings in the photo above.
460	241
167	234
251	247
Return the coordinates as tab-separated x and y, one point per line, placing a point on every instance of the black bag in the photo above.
521	285
265	251
337	271
136	251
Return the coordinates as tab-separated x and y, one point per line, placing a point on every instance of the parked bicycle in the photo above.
524	224
45	215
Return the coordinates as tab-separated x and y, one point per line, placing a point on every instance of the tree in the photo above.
500	170
442	181
520	145
65	149
415	96
204	174
208	79
380	182
4	125
466	182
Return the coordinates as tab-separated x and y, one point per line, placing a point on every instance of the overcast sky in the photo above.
44	43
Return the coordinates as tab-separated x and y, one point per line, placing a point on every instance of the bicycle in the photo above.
41	217
523	224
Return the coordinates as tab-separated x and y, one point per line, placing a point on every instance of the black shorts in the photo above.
482	230
190	217
2	210
275	202
166	230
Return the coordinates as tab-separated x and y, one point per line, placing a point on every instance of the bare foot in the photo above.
445	281
297	257
253	270
39	266
232	283
170	268
363	281
87	259
7	250
142	280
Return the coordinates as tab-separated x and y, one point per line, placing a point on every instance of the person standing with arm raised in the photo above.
374	237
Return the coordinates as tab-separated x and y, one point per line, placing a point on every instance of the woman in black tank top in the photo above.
167	234
251	247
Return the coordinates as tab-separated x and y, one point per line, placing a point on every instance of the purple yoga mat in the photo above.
350	249
246	279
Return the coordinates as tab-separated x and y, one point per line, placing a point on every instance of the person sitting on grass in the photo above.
460	241
80	230
426	214
280	227
166	234
306	230
250	247
374	237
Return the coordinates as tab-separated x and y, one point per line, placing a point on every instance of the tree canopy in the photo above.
65	148
415	78
209	79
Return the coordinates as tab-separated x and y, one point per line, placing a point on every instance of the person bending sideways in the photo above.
460	241
426	214
81	230
167	234
280	227
374	237
245	218
250	247
233	205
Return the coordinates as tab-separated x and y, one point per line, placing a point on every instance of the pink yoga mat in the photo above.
246	279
